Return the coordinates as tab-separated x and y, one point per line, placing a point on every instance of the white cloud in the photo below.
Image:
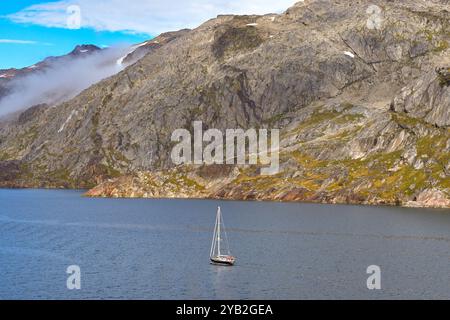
60	80
143	16
17	41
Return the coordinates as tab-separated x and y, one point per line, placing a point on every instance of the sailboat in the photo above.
216	254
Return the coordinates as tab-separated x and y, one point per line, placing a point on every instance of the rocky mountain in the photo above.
359	89
140	50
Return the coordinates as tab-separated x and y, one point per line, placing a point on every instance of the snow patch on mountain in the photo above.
348	53
133	48
74	112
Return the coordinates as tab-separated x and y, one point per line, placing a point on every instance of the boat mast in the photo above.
213	244
218	231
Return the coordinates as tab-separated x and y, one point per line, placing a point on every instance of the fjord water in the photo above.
158	249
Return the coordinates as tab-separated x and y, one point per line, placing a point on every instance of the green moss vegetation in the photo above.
60	174
192	183
432	150
348	118
249	182
405	121
274	119
320	116
307	161
113	156
330	117
378	176
441	46
25	172
25	138
235	39
383	181
60	178
370	177
177	181
346	135
435	38
5	156
110	170
311	178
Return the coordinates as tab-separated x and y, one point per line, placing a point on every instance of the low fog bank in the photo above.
62	80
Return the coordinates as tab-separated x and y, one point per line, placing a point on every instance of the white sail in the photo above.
214	240
219	231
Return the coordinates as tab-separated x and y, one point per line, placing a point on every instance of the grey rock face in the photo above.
142	49
428	98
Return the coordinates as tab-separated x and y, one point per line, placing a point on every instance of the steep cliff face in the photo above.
361	96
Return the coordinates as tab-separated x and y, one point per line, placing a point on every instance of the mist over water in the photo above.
62	80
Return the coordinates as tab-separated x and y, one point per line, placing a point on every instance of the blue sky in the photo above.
31	30
26	43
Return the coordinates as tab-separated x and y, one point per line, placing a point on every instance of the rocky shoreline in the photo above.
163	186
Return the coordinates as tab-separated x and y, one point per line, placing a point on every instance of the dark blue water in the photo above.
158	249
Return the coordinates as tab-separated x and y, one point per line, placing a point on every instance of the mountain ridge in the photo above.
359	110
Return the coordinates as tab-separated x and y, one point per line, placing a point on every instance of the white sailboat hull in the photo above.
223	260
